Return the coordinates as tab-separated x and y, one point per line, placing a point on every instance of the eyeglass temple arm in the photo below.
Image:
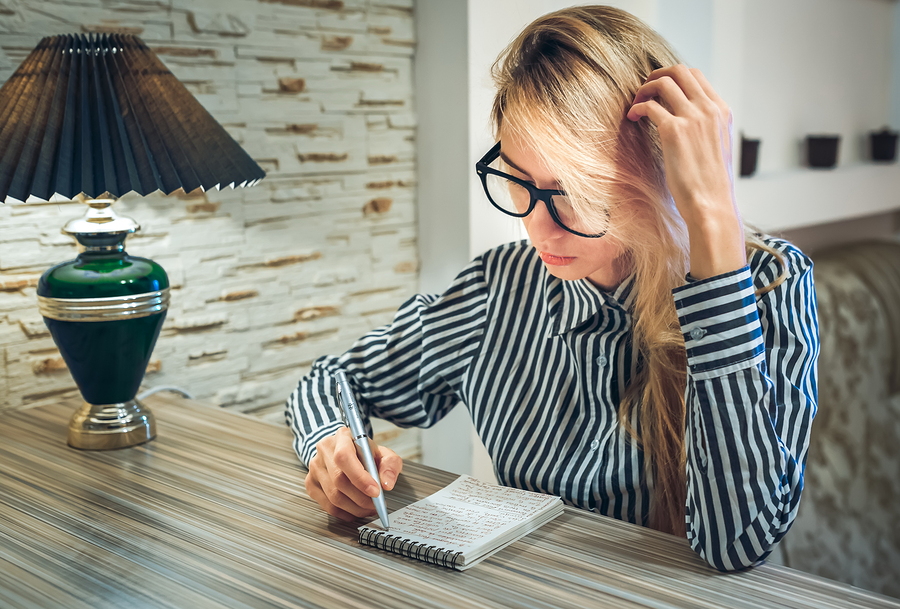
491	155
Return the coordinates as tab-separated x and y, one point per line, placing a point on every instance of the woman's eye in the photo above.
516	173
526	179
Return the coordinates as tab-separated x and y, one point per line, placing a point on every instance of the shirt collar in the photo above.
572	303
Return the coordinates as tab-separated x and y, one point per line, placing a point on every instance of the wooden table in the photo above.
213	513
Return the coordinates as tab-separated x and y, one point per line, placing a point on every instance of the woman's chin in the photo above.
568	273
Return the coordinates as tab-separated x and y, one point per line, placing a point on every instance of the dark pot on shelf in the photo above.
749	156
822	150
884	145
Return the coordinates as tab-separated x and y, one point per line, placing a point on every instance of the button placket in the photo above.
698	333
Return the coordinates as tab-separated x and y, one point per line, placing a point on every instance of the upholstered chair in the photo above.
848	525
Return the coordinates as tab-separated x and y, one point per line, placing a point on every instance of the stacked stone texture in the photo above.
264	279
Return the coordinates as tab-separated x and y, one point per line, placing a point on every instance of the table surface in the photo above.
213	513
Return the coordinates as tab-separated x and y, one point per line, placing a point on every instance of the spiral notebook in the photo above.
463	523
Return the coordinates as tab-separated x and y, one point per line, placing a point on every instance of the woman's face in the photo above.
565	255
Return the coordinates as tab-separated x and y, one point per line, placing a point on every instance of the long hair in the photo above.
564	86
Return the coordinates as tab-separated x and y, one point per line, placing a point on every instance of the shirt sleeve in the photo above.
750	398
407	372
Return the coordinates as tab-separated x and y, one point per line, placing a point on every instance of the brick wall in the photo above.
264	279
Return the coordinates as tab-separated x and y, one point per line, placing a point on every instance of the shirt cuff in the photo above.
720	323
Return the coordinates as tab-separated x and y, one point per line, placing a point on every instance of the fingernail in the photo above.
390	478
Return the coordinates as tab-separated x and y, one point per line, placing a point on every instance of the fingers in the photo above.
338	481
327	483
683	77
724	110
706	86
684	91
320	496
651	109
346	460
389	466
694	128
666	89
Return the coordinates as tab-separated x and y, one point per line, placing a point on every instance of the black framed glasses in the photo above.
518	198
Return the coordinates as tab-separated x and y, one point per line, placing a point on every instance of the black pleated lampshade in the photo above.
102	114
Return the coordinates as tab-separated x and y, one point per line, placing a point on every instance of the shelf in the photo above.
804	197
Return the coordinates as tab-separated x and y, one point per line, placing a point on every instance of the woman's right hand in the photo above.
338	480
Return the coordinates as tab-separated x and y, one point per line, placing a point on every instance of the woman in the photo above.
645	356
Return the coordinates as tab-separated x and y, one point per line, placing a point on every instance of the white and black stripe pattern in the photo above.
541	364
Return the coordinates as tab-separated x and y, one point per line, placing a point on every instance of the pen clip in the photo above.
349	407
339	396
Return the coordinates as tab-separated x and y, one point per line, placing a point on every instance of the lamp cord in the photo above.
177	390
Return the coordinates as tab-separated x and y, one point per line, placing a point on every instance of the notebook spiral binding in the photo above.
411	549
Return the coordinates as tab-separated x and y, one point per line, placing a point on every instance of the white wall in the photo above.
817	66
830	76
441	88
440	76
688	26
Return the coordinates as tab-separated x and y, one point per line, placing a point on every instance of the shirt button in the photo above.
698	333
601	361
595	444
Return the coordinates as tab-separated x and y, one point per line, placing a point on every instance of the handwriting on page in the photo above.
448	525
466	512
511	501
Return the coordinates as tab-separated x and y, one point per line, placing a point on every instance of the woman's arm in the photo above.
400	372
751	397
407	372
695	132
751	390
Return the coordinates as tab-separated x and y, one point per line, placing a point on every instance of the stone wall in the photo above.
264	279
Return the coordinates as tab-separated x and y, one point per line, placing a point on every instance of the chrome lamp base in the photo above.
109	426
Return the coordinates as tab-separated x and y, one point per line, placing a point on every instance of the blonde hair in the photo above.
564	86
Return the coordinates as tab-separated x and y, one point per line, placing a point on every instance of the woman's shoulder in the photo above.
776	256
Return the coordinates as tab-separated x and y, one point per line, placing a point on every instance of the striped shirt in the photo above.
541	364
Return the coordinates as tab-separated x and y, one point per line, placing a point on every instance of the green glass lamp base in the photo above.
109	426
104	311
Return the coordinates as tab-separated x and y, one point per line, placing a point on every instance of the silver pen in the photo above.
361	439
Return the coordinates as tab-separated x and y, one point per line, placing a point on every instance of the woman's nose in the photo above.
540	224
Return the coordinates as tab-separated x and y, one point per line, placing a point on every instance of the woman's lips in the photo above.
556	260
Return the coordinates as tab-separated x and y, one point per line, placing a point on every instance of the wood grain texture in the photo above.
213	513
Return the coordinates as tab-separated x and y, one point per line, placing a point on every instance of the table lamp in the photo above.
96	117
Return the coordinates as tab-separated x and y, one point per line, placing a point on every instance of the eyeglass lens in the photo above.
515	199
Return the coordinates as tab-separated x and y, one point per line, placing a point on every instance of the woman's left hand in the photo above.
695	131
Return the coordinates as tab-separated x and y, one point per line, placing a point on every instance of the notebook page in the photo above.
466	514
